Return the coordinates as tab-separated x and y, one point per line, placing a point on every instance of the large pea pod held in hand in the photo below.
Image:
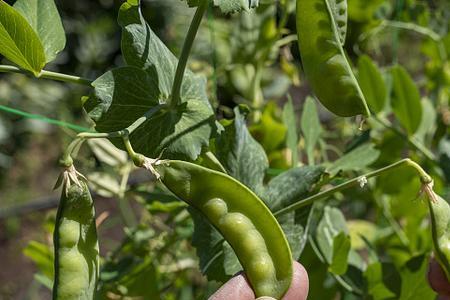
321	30
76	245
241	217
440	231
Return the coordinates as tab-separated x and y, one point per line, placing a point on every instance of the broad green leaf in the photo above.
355	160
311	128
241	155
291	125
414	280
19	43
321	29
141	48
372	84
383	281
341	250
406	100
126	94
292	185
228	6
43	16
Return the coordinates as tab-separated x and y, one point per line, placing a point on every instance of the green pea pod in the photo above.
76	245
241	217
440	230
321	30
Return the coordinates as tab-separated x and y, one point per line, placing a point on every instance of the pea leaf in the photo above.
341	250
229	6
291	125
355	160
19	42
44	18
383	281
123	95
414	280
372	84
241	155
406	103
311	128
141	48
291	186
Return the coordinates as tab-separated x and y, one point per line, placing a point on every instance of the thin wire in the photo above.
44	119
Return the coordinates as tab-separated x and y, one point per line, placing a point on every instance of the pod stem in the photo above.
48	75
426	180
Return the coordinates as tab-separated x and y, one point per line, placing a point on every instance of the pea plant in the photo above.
245	168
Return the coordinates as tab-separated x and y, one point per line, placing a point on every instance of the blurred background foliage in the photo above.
249	58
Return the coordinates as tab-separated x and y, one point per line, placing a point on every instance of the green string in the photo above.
44	119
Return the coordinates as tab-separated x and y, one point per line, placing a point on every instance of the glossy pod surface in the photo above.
440	230
241	217
321	27
76	246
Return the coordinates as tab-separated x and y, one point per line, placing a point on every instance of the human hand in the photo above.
438	280
238	288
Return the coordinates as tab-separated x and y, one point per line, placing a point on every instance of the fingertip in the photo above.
300	284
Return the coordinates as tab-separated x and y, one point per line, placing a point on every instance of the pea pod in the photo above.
241	217
321	30
440	231
75	242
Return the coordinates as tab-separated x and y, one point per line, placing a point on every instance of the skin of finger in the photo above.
238	287
438	280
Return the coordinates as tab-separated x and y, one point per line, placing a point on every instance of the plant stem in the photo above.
424	177
127	131
188	42
48	75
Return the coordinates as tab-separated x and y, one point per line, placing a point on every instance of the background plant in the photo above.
401	52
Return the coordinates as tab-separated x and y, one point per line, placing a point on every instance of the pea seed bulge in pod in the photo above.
224	149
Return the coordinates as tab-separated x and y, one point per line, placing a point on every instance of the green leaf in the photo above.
414	280
270	132
406	101
241	155
311	128
44	18
123	95
427	125
372	84
291	125
355	160
19	43
42	256
291	186
141	48
341	250
383	281
331	225
209	245
228	6
321	29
